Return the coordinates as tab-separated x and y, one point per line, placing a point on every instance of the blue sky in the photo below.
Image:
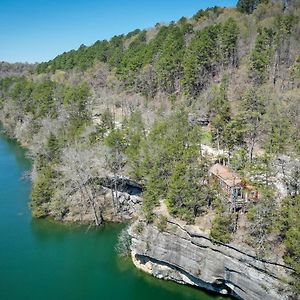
38	30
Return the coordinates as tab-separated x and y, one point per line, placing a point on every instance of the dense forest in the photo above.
133	107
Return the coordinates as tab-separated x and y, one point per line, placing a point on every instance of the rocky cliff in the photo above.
187	257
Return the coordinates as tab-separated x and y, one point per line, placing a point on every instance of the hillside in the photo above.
123	128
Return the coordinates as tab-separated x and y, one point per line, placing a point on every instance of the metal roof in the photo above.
228	176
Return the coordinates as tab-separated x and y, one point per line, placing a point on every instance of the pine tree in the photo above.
248	6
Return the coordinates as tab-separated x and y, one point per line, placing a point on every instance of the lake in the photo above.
42	260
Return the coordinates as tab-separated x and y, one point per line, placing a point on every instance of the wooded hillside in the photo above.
138	105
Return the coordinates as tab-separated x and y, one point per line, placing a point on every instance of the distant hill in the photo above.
13	69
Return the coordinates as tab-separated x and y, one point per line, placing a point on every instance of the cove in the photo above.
40	259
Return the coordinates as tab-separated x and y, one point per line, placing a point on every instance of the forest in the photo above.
131	107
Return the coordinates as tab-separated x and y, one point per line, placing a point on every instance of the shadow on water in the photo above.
125	265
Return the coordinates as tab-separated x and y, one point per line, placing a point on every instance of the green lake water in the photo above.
41	260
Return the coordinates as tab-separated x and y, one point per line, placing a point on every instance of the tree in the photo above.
277	129
229	38
171	168
133	59
219	109
263	219
200	60
115	160
134	135
222	228
187	192
78	169
247	6
42	192
261	55
234	133
291	236
253	108
168	65
295	71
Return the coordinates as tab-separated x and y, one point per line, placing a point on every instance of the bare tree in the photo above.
115	162
79	167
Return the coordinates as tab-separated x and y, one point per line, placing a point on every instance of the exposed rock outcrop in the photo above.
78	211
187	257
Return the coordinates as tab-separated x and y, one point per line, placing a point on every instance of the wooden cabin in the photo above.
239	193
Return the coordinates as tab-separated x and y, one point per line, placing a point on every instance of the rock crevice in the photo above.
194	259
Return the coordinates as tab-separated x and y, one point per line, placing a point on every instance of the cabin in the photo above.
238	192
198	119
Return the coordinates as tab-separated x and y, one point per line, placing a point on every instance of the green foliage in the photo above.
139	228
234	132
211	47
291	236
20	91
239	159
246	124
248	6
278	130
166	53
36	98
222	228
124	244
115	140
200	58
261	55
134	135
165	158
186	196
295	71
6	84
229	38
53	147
115	50
264	220
168	66
284	25
106	124
210	11
82	58
162	223
42	192
133	33
42	98
116	143
133	59
261	171
219	109
171	169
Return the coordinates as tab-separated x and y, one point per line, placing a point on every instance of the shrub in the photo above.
162	223
222	228
139	227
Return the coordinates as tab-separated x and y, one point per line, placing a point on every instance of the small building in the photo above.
198	119
239	193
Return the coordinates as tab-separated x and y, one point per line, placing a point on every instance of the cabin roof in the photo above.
228	176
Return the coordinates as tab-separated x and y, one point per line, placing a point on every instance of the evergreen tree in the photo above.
229	38
261	55
248	6
219	109
252	111
168	66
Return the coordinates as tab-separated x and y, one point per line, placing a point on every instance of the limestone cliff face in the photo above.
186	257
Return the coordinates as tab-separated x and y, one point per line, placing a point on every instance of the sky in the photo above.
38	30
